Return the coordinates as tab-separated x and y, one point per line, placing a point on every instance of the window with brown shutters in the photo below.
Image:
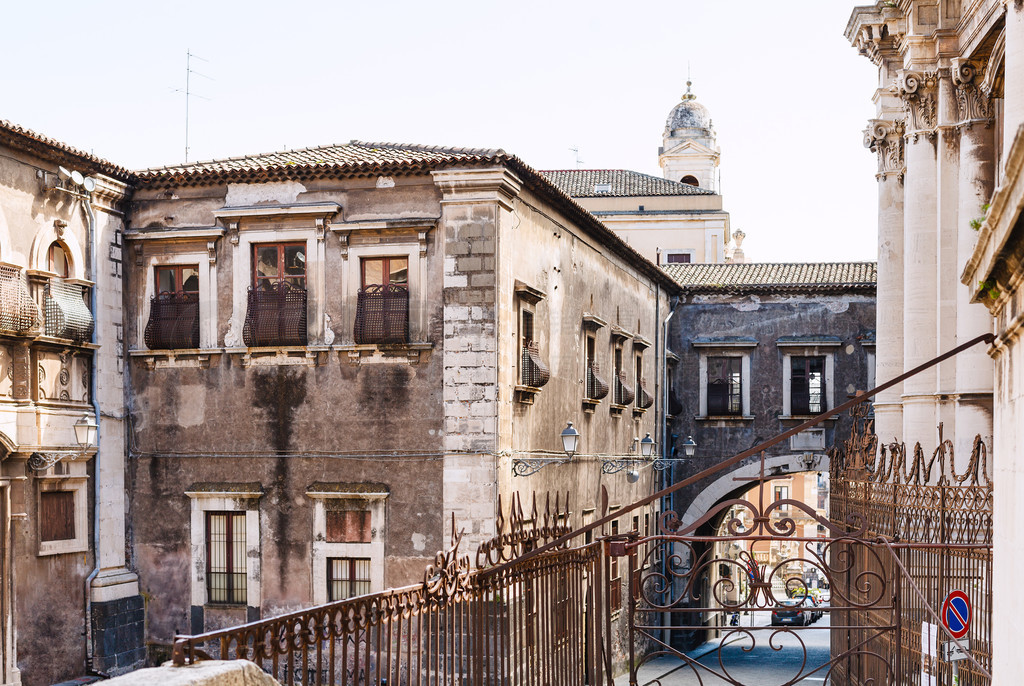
349	526
57	515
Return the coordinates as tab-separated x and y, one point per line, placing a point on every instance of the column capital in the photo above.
919	92
885	138
973	102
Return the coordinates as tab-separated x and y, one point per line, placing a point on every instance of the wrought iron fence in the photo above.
173	321
19	313
534	372
382	314
67	315
275	315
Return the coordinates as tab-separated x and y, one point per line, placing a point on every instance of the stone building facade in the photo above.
949	140
67	600
336	353
757	349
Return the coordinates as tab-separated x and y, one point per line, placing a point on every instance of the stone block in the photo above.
469	264
457	248
456	280
203	673
485	279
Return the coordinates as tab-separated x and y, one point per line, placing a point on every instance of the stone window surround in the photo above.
202	502
791	349
740	349
78	484
207	293
665	253
322	550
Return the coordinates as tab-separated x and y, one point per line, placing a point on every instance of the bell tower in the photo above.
689	151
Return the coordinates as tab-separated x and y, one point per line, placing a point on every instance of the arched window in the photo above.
690	180
58	261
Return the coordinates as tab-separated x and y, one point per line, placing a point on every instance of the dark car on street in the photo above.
790	612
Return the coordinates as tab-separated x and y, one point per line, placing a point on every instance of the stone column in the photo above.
1013	87
973	387
920	252
885	138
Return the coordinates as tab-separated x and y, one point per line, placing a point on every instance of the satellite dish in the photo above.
63	173
89	184
77	178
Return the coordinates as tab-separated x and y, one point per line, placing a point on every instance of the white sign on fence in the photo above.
951	651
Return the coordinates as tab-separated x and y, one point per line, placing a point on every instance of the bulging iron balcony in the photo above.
275	315
173	321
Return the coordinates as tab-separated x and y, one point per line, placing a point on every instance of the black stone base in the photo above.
118	635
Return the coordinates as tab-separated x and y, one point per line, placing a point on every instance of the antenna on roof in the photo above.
188	90
579	162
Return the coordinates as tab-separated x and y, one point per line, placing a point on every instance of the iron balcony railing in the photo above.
19	313
382	314
623	391
643	399
275	315
173	321
597	387
534	373
67	315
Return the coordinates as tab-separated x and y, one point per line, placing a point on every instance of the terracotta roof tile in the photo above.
53	149
583	183
775	277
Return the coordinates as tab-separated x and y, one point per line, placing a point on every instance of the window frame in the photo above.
68	264
244	499
810	409
817	348
385	270
690	256
328	497
352	579
207	294
231	521
741	348
178	271
78	485
281	275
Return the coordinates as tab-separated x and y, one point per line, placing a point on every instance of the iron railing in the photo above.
597	387
644	400
382	314
534	372
275	315
623	391
19	313
67	315
173	321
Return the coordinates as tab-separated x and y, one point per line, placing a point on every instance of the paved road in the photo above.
761	666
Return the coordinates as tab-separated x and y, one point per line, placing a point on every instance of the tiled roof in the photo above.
775	277
61	153
350	158
581	183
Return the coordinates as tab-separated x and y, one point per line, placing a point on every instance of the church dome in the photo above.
689	115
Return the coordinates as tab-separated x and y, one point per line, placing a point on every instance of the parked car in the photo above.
790	612
815	608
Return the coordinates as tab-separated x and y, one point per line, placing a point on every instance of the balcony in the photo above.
382	315
173	322
19	313
623	393
67	315
644	400
533	373
597	387
275	316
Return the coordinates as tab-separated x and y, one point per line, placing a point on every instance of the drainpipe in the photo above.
665	473
92	248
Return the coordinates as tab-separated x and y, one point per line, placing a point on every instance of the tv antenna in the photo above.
189	71
576	150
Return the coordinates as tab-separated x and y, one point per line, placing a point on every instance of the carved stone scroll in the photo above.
974	105
919	92
885	139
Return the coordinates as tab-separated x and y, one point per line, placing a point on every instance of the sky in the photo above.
788	95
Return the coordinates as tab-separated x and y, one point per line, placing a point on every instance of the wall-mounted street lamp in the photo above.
525	466
631	462
689	448
85	435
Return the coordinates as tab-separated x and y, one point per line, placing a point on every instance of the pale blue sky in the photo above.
788	94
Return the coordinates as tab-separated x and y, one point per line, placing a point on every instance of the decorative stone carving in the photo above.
328	331
233	338
974	104
211	251
885	139
918	90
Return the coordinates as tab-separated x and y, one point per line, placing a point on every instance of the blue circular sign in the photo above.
956	614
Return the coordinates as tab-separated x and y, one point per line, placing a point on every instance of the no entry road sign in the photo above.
956	614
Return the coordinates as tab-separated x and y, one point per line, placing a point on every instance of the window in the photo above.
347	577
690	180
807	385
174	309
597	387
614	578
276	308
724	386
382	307
678	258
643	399
225	558
782	493
533	371
56	515
62	513
623	391
57	260
274	263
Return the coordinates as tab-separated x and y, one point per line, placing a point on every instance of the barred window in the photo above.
807	385
725	385
347	577
225	558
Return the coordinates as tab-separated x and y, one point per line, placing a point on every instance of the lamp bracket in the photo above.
525	466
617	464
42	461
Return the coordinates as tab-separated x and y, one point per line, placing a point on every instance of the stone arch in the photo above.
726	484
7	446
42	242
